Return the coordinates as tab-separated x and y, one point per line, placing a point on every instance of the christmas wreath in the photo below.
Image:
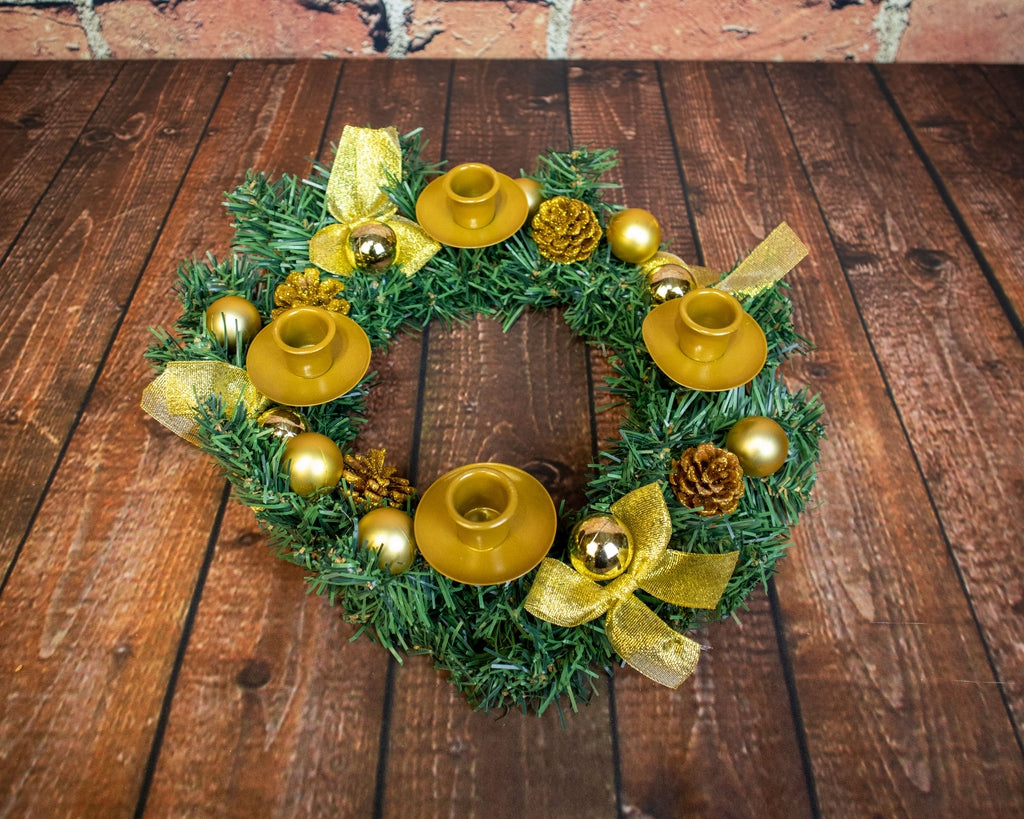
687	512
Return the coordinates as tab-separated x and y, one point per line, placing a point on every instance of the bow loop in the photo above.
172	397
364	160
367	159
562	596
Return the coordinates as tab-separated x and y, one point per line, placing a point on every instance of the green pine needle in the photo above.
497	654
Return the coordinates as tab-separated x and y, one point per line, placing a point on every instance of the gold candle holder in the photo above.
472	193
481	501
304	335
485	523
707	322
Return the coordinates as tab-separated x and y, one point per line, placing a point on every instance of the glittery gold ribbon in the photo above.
562	596
365	160
172	397
778	253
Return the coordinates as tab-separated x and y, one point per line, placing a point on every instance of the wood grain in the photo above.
44	110
519	398
1008	82
877	617
740	682
102	591
297	709
155	659
976	146
68	279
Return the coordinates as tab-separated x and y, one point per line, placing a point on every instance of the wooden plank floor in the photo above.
156	660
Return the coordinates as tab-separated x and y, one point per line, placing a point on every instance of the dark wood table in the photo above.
156	659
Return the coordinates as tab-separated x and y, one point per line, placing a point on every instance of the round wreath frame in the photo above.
495	652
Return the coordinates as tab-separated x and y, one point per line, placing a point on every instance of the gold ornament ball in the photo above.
634	235
389	532
670	281
232	317
760	444
600	547
533	194
284	421
373	246
316	463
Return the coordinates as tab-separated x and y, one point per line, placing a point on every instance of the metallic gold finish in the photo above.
366	160
373	246
563	596
434	213
668	282
172	398
779	252
634	235
566	230
314	463
742	359
231	318
760	443
306	289
600	547
534	195
284	421
489	528
308	356
389	533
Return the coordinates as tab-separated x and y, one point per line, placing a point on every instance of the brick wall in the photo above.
861	30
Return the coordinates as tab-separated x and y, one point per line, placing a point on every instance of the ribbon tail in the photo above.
695	581
779	253
647	644
562	596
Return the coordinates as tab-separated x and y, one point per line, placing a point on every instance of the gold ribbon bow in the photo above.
172	397
367	158
778	253
562	596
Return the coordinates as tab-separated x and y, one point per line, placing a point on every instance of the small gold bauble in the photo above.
533	193
760	444
373	246
600	547
284	421
315	461
634	235
232	317
388	532
670	281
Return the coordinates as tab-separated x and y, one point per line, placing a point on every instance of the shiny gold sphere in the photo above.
670	281
231	318
314	462
760	444
389	532
286	422
600	547
533	194
634	235
373	246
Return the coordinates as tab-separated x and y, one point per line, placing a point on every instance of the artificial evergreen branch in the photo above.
495	652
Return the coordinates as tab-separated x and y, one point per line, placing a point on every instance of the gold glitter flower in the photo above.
305	289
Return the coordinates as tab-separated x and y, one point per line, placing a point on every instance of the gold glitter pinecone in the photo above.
709	477
306	290
565	230
370	482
